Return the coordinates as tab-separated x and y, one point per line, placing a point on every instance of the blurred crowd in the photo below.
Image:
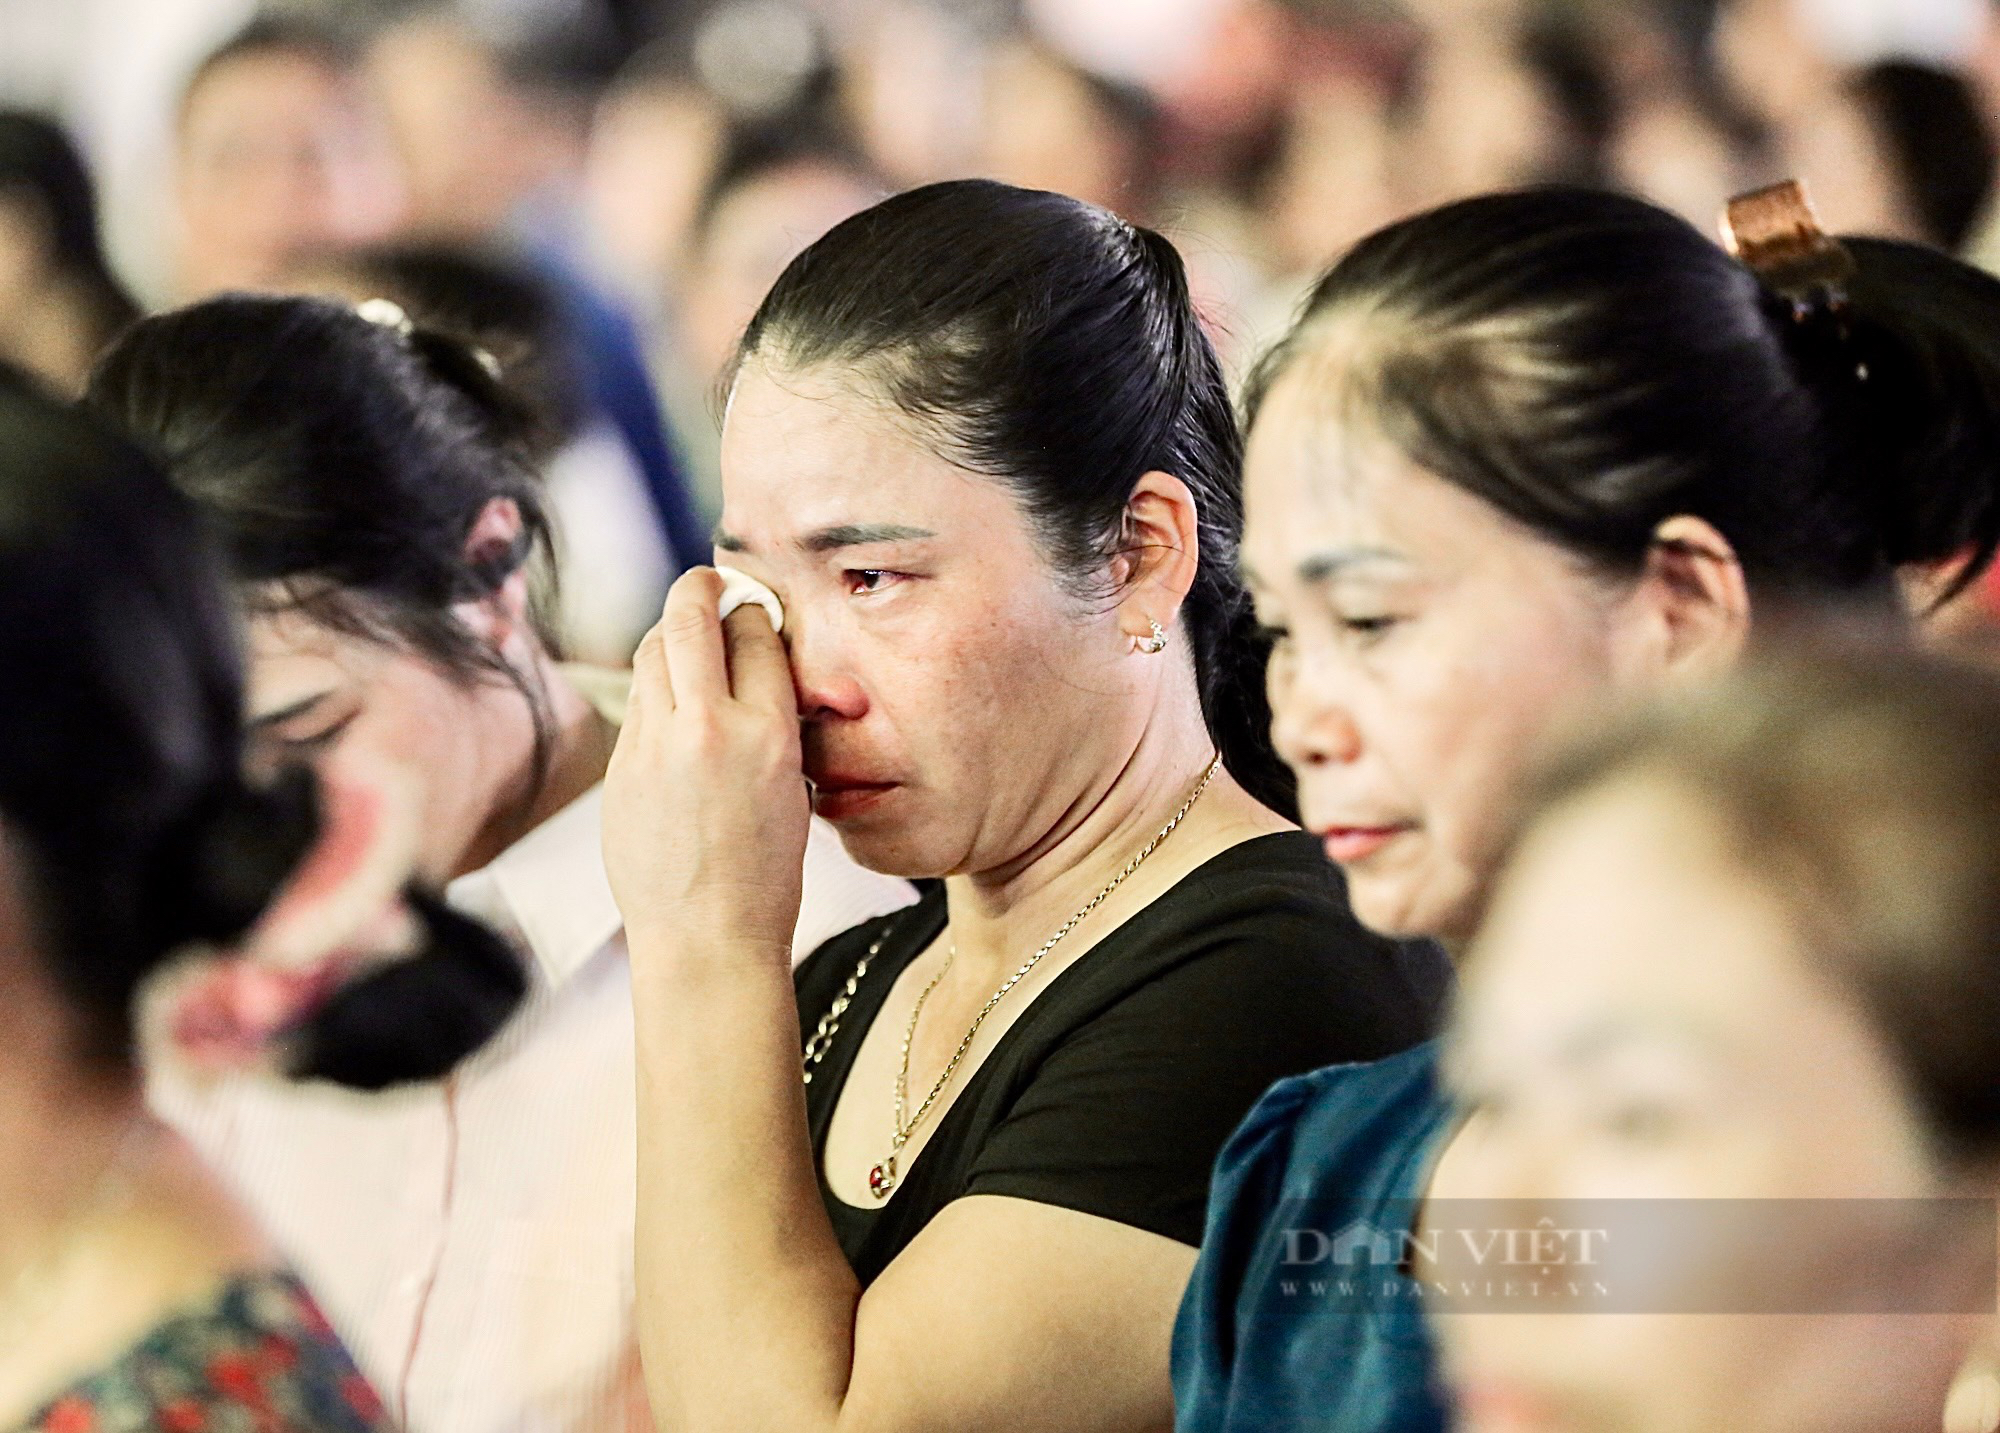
600	193
1361	418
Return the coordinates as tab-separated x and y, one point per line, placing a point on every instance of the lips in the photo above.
837	796
1349	845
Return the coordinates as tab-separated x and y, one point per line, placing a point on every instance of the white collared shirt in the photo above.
472	1240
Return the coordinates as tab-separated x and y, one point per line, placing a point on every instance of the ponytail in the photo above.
1230	649
1909	383
510	423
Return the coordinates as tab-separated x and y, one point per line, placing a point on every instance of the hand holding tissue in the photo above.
740	589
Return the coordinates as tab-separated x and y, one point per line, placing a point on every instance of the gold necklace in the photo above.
882	1178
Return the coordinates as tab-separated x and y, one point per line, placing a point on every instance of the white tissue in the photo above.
739	588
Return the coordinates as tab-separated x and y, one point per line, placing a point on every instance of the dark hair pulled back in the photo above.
128	818
344	462
1592	366
1053	346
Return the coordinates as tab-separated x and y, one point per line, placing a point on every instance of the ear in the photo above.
1696	603
1160	554
494	551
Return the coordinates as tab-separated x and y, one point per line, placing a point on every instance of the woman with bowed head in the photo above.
1520	455
134	1292
952	1178
471	1237
1736	1001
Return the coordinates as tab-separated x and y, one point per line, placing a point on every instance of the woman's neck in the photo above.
108	1223
999	916
580	739
62	1130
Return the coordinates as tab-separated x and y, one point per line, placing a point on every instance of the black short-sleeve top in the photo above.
1116	1088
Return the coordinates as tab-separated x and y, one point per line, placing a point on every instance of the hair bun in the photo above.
1911	384
475	375
224	860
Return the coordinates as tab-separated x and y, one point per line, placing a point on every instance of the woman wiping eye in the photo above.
980	1215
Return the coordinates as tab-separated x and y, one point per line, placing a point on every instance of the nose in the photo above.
823	679
1312	721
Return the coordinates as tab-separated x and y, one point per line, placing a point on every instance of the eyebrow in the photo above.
1324	566
832	539
285	714
1600	1037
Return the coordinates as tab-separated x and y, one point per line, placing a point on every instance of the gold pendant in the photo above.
882	1178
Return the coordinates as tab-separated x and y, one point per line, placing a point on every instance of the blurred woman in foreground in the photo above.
1746	958
134	1292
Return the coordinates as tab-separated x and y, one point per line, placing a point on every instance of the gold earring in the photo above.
1155	644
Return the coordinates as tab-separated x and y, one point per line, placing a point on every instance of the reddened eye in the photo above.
864	580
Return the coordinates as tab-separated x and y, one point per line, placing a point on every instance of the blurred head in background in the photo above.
59	301
1745	954
1898	149
1765	51
485	130
279	153
1051	124
1531	448
775	190
654	146
1519	99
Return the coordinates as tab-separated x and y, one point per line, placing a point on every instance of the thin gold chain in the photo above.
907	1127
829	1023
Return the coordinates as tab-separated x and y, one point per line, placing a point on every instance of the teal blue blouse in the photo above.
1260	1346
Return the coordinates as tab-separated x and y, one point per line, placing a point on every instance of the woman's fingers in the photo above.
652	684
691	638
759	673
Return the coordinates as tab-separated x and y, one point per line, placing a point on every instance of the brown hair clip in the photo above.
1775	233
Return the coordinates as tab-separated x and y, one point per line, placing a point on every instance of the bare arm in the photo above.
1002	1314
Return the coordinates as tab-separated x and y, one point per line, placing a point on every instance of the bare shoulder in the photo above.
165	1237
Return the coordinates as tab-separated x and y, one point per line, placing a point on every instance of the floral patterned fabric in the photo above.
260	1358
